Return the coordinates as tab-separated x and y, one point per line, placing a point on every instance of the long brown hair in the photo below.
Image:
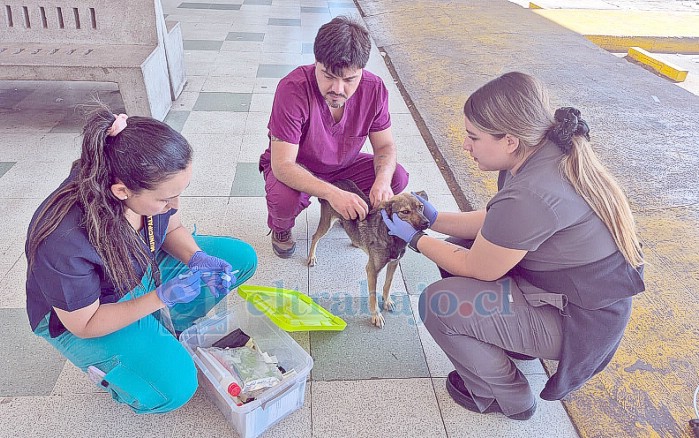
144	154
518	104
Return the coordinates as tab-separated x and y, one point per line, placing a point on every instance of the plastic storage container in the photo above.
251	419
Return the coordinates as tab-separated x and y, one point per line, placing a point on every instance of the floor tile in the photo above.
342	5
217	101
313	10
248	181
256	123
205	214
242	46
16	213
12	285
212	6
21	181
228	84
204	31
411	149
273	271
214	122
374	408
427	175
262	102
266	85
368	351
22	374
214	163
202	45
281	46
94	414
549	420
72	380
284	22
418	272
245	36
253	146
5	166
257	2
274	70
176	119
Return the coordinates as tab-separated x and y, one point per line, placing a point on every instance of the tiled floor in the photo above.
365	381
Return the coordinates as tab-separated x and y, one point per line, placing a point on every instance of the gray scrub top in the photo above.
538	210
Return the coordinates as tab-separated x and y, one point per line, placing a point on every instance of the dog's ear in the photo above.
423	195
388	206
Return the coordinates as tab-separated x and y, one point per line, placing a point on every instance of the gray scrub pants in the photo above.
475	321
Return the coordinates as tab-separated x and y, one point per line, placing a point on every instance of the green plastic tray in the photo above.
291	310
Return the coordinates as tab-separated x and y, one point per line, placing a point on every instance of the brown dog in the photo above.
372	236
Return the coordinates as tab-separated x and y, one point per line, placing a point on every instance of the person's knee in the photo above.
179	387
180	390
400	179
247	257
283	201
428	304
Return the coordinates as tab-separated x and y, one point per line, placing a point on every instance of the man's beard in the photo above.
335	105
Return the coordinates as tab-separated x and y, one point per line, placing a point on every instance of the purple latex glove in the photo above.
181	289
398	227
215	272
429	211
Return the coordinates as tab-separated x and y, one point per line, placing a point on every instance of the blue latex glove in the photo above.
430	212
215	272
398	227
181	289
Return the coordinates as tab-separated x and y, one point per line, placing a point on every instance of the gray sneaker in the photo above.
283	243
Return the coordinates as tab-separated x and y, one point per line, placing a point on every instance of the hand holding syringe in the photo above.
219	282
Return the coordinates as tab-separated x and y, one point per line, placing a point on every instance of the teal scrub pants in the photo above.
145	365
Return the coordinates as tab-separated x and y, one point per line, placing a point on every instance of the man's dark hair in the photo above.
342	43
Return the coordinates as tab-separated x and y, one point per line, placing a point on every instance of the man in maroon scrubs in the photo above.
321	117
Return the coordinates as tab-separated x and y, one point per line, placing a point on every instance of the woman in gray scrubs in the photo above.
546	270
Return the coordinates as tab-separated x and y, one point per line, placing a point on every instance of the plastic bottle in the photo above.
225	378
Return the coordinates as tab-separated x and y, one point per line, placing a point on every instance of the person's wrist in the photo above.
412	244
198	254
433	219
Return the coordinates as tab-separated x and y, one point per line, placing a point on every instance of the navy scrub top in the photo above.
67	273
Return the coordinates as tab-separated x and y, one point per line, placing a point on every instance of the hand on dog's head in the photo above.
408	208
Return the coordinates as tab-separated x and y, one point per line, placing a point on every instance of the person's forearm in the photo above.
385	162
180	244
452	258
302	180
109	318
465	225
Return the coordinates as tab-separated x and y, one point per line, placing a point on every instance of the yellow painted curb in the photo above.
534	6
617	31
612	43
666	69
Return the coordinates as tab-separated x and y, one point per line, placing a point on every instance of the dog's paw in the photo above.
388	304
377	320
311	261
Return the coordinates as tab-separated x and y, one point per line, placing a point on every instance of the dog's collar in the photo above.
413	241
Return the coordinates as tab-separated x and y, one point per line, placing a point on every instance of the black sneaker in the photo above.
457	390
283	243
